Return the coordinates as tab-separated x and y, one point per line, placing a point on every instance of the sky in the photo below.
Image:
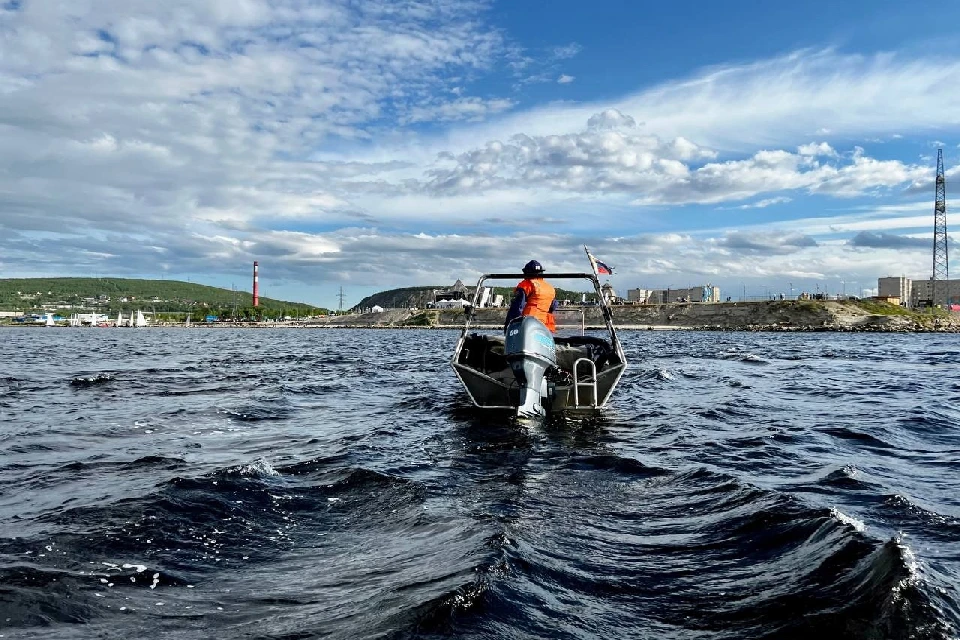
365	145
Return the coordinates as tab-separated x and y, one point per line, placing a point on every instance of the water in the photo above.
289	484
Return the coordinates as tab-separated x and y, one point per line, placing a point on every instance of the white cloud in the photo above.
327	134
612	156
767	202
816	149
567	51
469	109
780	101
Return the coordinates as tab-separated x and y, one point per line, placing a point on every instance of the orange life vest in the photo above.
540	295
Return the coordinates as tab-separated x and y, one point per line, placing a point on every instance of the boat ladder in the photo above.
590	383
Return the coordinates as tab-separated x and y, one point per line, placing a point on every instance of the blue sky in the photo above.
385	144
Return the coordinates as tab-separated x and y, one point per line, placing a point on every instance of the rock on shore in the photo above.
778	315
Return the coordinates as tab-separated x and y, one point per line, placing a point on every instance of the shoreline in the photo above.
560	328
791	316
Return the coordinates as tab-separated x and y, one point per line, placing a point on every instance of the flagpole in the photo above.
593	264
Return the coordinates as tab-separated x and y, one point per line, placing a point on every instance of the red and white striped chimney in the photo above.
256	284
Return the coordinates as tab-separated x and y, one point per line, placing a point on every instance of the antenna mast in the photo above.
941	273
341	296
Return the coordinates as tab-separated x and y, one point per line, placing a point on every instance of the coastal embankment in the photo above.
773	315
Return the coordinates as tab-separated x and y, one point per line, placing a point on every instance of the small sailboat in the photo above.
120	318
50	321
140	321
187	323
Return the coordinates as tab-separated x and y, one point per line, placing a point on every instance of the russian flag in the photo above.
598	267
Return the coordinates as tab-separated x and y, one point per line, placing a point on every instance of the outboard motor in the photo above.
530	351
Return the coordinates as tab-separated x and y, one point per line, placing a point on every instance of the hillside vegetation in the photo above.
107	295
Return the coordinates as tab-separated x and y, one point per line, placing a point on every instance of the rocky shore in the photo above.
779	315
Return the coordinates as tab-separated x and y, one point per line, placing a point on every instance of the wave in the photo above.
719	559
92	381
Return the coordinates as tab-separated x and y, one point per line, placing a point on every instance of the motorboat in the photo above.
526	369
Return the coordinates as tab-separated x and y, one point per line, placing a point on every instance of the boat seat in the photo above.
484	353
572	348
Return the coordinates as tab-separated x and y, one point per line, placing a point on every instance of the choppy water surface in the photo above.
336	484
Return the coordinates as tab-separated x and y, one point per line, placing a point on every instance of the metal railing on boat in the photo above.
590	383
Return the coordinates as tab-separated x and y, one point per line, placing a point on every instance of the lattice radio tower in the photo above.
341	296
941	272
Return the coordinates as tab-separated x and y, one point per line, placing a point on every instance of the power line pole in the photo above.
341	296
941	273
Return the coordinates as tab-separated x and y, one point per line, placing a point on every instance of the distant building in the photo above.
451	304
921	294
641	296
457	292
91	318
702	293
609	293
376	309
898	288
916	293
894	300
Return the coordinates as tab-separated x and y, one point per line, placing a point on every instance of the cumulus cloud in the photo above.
872	240
613	155
611	119
565	79
173	122
766	242
816	149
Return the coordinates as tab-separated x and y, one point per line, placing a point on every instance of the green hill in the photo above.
404	298
110	295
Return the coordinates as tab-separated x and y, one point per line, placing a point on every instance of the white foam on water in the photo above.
913	568
908	556
850	520
140	568
259	467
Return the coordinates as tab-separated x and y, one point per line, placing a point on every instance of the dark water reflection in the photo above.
335	483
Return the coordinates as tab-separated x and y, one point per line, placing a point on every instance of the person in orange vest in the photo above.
535	297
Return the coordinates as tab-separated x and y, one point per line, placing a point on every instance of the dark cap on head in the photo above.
532	268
